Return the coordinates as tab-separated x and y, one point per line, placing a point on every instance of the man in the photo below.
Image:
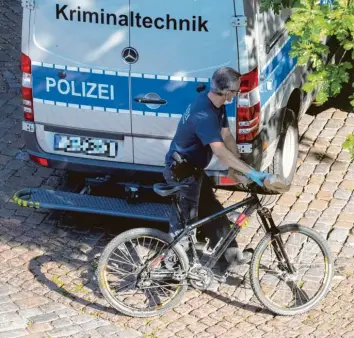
203	131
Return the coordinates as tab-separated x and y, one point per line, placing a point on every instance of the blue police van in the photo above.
105	83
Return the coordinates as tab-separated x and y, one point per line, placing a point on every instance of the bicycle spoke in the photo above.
136	251
162	289
116	267
119	261
127	273
137	240
129	253
149	248
124	261
161	250
128	260
152	297
118	270
124	286
158	286
129	293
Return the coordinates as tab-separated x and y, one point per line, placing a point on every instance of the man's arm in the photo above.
229	158
230	141
226	156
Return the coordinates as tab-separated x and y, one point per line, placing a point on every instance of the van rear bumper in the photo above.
78	164
92	166
125	172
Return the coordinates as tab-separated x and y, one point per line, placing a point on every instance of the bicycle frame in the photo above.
252	204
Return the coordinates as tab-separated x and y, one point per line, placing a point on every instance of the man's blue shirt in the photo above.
199	126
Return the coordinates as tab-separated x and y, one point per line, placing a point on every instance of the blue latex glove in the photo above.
257	177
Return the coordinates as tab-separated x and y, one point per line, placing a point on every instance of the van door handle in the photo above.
146	100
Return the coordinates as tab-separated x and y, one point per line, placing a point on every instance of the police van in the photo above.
105	82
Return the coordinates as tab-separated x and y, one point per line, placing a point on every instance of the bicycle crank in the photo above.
200	277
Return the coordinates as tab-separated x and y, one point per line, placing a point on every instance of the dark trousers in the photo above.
197	202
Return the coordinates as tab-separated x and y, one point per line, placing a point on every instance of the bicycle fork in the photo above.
278	244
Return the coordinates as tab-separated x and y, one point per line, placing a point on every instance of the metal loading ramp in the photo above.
68	201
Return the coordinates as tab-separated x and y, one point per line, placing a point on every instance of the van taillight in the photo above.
224	180
39	160
27	93
26	64
248	114
249	81
248	107
248	122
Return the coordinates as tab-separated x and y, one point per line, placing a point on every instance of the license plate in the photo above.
85	145
28	126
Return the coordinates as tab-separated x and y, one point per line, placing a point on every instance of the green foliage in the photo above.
349	144
312	23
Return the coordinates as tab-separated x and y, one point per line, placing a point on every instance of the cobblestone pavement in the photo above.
48	259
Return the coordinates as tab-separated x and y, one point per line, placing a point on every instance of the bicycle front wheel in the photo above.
287	292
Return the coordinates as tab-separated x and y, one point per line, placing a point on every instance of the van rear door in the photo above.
80	81
177	45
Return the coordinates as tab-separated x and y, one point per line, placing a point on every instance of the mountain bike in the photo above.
145	272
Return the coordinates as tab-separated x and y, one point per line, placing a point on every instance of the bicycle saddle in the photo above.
168	189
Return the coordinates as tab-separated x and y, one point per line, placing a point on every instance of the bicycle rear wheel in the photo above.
129	286
291	293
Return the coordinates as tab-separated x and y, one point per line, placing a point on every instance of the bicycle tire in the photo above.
122	238
261	247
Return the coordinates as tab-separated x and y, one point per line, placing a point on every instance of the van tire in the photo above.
287	149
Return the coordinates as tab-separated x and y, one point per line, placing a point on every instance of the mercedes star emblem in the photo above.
130	55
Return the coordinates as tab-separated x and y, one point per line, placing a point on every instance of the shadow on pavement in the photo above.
69	267
236	303
70	244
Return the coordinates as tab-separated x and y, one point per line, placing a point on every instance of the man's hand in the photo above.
227	157
258	177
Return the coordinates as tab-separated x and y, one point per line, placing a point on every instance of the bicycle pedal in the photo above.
221	279
206	250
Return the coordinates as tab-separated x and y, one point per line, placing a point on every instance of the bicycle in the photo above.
137	278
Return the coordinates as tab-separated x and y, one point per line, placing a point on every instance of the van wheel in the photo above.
285	157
